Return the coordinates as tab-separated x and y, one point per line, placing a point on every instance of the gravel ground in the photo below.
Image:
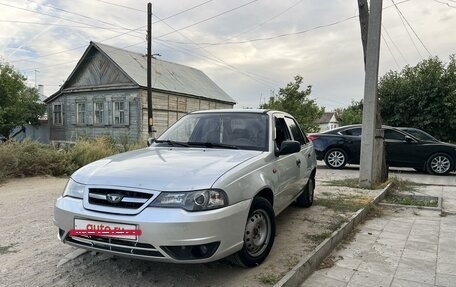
30	252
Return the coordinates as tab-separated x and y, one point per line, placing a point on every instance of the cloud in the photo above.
329	58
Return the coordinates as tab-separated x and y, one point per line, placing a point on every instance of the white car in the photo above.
209	187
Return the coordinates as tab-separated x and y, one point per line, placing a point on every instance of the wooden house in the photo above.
106	95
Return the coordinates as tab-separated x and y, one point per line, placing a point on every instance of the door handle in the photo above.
298	162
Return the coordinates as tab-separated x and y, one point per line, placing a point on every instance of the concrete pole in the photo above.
150	115
372	138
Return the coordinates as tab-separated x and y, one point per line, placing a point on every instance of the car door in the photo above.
304	157
402	152
352	143
286	167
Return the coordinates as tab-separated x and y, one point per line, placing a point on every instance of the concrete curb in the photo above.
424	197
305	267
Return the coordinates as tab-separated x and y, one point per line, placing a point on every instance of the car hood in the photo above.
163	168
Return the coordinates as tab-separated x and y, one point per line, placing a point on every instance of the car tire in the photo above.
440	164
307	196
258	234
336	158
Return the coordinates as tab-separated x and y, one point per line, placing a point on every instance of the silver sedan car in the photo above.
209	187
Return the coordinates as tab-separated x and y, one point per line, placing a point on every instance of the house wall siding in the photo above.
168	108
71	130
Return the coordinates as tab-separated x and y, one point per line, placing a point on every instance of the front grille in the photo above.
115	245
130	199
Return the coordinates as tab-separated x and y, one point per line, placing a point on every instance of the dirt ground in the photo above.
30	252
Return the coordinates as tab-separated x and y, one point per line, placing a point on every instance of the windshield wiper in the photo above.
172	143
213	145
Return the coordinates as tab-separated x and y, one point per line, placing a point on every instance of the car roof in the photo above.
256	111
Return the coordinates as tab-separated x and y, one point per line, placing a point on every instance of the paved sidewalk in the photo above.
404	247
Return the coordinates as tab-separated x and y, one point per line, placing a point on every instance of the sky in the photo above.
250	48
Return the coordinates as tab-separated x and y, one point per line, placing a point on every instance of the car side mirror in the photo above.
408	139
289	147
150	141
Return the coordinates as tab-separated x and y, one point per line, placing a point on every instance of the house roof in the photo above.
326	118
166	76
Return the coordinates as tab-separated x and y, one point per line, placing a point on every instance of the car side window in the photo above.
295	130
394	135
352	132
282	132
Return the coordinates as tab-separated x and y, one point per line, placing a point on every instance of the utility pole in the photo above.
372	135
363	9
150	115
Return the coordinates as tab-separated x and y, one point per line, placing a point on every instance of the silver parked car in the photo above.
209	187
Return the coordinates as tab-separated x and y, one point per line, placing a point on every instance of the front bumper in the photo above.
159	227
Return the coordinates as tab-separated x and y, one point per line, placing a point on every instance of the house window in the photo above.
80	113
58	116
119	113
98	113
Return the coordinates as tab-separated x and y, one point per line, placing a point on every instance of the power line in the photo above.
59	25
123	6
205	50
184	11
391	52
394	44
76	48
207	19
77	14
267	20
276	36
272	37
445	3
413	30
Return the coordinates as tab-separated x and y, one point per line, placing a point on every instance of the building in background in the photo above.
328	121
106	94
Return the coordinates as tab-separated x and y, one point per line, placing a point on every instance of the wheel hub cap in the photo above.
336	158
440	164
257	233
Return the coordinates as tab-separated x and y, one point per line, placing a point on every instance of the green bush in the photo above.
31	158
88	150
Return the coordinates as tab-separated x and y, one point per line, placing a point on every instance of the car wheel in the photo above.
440	164
258	234
306	198
336	158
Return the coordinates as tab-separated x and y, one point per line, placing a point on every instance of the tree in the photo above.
297	103
19	104
353	114
423	96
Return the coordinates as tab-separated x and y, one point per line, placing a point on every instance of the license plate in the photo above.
105	229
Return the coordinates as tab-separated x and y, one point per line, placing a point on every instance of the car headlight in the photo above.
192	200
74	189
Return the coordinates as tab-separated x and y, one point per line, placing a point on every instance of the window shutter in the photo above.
72	113
89	113
127	113
106	114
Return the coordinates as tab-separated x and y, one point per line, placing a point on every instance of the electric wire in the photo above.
208	52
391	52
207	19
394	44
411	28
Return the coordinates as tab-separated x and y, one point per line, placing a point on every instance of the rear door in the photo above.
352	143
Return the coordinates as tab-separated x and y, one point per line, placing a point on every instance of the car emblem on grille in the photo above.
114	197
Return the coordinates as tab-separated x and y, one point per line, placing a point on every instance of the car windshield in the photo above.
219	130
